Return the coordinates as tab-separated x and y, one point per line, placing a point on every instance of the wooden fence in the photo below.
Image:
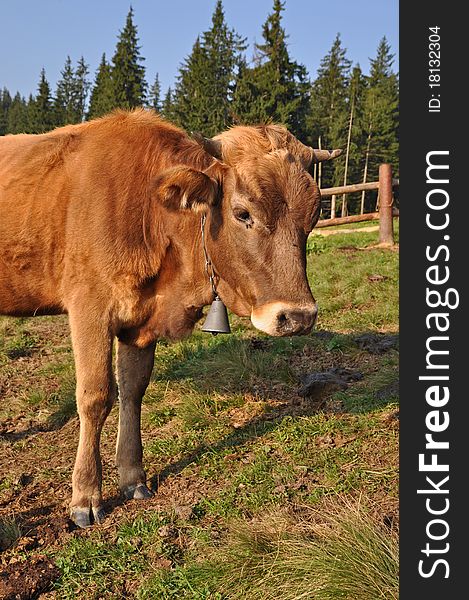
386	211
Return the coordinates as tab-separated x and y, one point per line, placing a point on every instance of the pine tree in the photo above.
205	84
329	112
154	100
128	75
17	119
5	104
276	87
41	113
102	95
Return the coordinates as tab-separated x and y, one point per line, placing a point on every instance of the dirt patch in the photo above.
29	579
334	379
382	246
377	343
349	250
388	391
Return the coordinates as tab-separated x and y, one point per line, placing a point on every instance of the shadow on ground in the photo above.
298	399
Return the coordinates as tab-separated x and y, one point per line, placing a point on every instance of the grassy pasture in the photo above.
263	491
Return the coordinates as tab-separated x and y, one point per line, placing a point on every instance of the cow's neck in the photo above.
183	287
196	272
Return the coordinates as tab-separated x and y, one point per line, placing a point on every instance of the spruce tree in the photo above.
81	88
352	121
205	84
328	113
154	95
276	87
30	112
64	108
188	104
128	75
167	105
17	119
71	93
246	109
102	99
5	104
41	114
381	113
223	48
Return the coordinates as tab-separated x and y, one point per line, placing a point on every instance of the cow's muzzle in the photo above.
282	319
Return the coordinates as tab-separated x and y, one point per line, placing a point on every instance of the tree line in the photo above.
217	86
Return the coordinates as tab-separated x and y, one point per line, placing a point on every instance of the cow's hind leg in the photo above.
95	393
134	366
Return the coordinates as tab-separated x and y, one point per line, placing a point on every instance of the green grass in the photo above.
109	565
62	403
20	345
260	471
221	363
347	299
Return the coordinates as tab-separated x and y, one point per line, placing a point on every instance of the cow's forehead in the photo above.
241	143
275	177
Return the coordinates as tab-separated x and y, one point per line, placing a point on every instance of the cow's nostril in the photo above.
282	318
295	322
286	323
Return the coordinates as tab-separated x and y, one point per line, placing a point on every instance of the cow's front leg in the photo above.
95	394
134	366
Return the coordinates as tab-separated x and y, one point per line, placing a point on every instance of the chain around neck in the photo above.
208	263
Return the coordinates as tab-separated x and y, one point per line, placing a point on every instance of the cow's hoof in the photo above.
99	514
137	492
85	517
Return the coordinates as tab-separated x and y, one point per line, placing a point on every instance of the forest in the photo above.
218	86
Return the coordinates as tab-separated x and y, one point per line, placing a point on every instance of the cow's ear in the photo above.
183	188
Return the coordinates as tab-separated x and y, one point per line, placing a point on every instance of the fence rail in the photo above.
373	216
356	187
386	212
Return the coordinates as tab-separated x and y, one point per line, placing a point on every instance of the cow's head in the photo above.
261	204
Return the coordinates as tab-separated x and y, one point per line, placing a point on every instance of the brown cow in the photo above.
102	221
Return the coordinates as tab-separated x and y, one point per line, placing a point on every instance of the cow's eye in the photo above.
244	217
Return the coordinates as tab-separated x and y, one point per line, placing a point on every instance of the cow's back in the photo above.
34	195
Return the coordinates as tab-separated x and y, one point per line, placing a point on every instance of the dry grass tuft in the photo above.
10	532
342	550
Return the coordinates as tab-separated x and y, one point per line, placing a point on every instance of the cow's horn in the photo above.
213	147
321	155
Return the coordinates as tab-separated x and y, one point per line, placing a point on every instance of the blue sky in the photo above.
41	33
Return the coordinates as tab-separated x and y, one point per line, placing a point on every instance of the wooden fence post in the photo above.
386	230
